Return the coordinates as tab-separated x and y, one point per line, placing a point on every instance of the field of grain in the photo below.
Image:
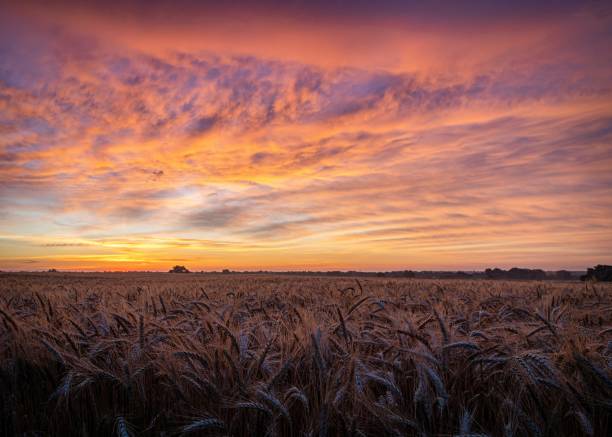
239	355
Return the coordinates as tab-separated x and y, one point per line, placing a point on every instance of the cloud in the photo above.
65	245
202	125
217	216
131	212
157	173
387	152
260	157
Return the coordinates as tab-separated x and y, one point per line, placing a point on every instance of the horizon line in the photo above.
56	270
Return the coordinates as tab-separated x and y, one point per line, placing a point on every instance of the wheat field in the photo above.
262	355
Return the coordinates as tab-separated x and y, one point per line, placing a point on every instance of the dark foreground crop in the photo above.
99	355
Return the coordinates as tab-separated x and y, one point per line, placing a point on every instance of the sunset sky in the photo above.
305	135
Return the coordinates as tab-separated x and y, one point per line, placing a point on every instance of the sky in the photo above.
315	135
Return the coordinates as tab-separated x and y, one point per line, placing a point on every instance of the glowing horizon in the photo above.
317	136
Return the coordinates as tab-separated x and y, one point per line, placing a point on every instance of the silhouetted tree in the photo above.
178	269
494	273
598	273
515	273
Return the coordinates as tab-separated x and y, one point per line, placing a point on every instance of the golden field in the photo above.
263	355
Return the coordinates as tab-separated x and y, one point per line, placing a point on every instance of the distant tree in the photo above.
515	273
494	273
178	269
599	273
518	273
226	271
52	271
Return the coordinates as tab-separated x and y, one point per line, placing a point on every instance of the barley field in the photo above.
256	355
